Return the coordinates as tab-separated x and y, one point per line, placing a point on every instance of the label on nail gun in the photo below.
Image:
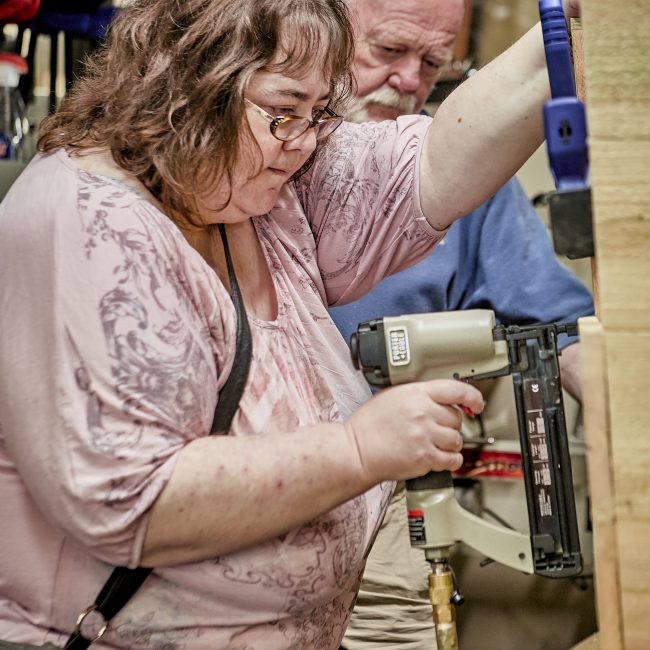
400	353
416	527
542	477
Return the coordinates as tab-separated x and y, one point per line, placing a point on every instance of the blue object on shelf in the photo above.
90	26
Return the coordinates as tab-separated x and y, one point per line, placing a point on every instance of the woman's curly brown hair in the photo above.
165	93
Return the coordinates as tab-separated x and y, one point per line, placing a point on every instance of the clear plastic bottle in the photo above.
14	128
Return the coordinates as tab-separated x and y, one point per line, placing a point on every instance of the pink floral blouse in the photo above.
115	338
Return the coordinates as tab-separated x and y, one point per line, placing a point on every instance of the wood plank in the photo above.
616	42
601	482
620	173
628	359
617	49
633	536
636	621
627	363
616	389
590	643
578	55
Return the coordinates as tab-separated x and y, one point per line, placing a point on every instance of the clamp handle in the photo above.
565	121
556	48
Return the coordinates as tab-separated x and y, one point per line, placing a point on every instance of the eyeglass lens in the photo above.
289	129
325	128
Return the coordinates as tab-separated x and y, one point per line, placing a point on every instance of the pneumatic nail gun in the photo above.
469	345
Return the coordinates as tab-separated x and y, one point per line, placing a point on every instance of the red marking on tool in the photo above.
494	464
467	410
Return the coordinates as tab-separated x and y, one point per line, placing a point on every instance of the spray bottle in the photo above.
13	124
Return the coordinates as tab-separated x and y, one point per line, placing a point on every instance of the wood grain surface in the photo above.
616	347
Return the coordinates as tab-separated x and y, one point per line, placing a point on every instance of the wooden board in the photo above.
590	643
601	482
617	49
616	348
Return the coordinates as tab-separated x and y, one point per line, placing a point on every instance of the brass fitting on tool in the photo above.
441	589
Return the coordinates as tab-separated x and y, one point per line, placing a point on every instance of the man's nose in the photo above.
406	76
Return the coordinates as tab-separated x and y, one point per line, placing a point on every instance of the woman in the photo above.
118	331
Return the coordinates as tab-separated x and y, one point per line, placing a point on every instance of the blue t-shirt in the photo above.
498	257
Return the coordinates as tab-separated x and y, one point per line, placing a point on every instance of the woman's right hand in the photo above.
409	430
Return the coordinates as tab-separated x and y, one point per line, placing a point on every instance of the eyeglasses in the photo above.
290	127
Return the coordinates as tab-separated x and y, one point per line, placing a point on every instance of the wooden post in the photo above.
616	345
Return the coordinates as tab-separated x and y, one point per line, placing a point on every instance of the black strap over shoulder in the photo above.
123	582
233	389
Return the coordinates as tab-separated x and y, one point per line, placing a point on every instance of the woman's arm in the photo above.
228	493
484	131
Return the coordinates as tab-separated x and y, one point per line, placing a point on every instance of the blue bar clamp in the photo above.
565	127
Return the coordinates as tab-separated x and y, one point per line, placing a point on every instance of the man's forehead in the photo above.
445	14
400	31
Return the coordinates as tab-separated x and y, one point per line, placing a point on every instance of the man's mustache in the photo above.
356	111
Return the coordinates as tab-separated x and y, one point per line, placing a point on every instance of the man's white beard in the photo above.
357	108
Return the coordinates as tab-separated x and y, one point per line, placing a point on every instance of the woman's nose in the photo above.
305	142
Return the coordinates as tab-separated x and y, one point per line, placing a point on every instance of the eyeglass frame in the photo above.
310	124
